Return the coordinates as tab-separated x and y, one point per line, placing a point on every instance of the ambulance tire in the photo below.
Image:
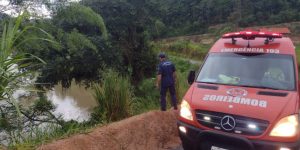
187	146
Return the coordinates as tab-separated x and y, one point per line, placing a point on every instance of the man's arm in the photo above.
158	77
174	76
158	80
174	73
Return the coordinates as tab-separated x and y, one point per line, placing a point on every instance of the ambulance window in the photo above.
273	71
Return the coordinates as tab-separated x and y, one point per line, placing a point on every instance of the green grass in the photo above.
298	53
38	136
183	48
147	96
114	95
183	68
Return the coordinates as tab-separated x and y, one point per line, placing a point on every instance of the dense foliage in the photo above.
85	46
163	18
80	51
127	24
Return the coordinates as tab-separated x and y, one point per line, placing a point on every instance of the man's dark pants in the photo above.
163	93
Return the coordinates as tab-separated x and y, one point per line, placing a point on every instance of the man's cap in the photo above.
162	55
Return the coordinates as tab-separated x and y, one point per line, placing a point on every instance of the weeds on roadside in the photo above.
146	97
186	49
298	52
114	95
41	135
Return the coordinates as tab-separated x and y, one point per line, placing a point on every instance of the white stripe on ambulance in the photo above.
236	100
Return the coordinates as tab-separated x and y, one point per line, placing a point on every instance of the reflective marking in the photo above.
250	50
236	100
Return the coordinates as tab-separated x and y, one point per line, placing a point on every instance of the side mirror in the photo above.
191	77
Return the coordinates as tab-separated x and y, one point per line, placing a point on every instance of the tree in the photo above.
83	48
84	19
127	23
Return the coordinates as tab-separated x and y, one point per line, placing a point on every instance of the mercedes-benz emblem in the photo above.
228	123
237	92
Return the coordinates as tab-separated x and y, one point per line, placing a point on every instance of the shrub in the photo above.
147	97
188	49
296	29
181	85
114	96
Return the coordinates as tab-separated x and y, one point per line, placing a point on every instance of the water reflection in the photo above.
74	103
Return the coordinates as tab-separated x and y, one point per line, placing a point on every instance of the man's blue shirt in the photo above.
166	70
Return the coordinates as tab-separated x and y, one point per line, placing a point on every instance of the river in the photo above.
74	103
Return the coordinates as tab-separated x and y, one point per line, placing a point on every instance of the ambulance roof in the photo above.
282	45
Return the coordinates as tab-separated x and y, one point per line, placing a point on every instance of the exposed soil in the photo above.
154	130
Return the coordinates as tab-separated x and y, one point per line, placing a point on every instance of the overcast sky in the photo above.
40	10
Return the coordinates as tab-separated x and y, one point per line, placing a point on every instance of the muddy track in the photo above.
154	130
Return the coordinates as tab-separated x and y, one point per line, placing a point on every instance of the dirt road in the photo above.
154	130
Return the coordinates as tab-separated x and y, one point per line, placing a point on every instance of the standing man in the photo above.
166	77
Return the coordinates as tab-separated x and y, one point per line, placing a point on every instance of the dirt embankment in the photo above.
150	131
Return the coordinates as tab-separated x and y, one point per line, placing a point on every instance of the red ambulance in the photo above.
245	96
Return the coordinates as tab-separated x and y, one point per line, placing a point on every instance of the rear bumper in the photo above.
218	139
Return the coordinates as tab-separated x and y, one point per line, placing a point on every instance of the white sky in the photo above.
39	10
3	2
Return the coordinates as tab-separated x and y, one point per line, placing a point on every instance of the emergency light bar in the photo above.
251	35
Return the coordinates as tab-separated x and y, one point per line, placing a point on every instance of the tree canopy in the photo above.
164	18
96	34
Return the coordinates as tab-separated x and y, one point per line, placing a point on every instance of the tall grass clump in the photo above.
114	95
298	52
15	65
183	67
188	49
147	97
181	85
